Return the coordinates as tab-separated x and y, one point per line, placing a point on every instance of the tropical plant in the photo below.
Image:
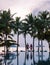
31	27
41	23
24	30
5	22
16	27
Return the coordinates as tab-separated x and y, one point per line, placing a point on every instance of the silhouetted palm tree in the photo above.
44	22
24	29
31	27
16	27
5	20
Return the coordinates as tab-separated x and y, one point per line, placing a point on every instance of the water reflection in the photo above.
0	61
17	59
27	55
32	58
43	63
7	59
28	58
25	58
40	56
31	55
41	60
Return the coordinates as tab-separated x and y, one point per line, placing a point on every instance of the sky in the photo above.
24	7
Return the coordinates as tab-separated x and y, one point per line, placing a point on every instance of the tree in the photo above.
16	27
41	23
31	27
44	17
24	30
5	22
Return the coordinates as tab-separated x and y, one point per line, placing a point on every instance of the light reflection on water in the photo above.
24	58
28	58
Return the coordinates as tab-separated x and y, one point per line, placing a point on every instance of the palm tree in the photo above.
24	30
47	37
5	20
39	29
44	20
41	23
31	27
16	28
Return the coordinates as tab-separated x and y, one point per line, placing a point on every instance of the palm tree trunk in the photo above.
5	44
17	41
33	50
25	41
33	44
38	49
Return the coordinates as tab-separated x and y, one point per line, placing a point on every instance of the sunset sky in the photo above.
24	7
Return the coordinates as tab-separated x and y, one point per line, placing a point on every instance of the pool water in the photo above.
25	58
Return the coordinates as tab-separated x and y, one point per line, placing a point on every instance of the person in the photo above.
27	47
31	47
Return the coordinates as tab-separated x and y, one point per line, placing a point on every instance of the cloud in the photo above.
18	3
24	7
5	4
44	6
